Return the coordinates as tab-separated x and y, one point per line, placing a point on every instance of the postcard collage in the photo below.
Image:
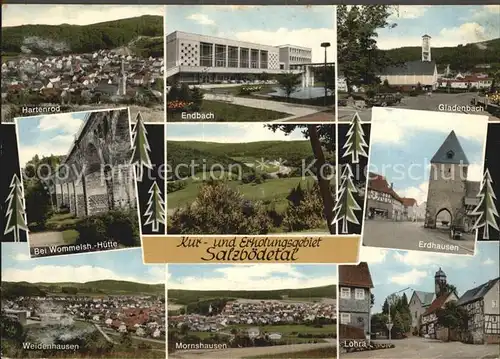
250	182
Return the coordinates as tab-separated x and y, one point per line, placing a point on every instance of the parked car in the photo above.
456	232
384	99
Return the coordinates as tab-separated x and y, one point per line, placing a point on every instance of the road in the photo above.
413	348
422	102
240	353
411	235
43	239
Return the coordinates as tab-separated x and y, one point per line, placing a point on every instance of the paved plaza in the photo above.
386	233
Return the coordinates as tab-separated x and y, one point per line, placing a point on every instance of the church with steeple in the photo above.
449	189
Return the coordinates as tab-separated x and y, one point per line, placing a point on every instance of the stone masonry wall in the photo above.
97	196
446	190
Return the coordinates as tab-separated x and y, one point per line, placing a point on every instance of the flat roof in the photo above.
236	40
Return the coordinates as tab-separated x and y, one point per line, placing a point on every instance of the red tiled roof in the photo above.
379	183
409	202
355	275
437	303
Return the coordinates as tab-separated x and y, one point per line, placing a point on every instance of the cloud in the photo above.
80	274
201	19
306	37
419	193
21	257
488	262
62	123
412	277
16	15
465	33
58	145
409	12
388	126
423	259
372	255
253	277
469	32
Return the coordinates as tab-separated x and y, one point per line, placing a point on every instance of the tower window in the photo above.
450	154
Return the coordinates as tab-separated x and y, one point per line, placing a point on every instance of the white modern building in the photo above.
195	58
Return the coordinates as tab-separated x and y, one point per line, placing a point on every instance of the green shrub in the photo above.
218	209
123	227
305	210
174	186
119	226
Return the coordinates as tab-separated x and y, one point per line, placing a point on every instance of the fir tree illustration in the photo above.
355	143
140	148
346	204
155	212
16	215
486	210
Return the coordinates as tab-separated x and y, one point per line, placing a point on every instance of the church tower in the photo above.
439	282
447	182
426	48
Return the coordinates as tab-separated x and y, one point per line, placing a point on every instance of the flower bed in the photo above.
494	98
247	90
178	106
350	346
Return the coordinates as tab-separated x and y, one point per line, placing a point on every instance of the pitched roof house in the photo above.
355	284
419	302
429	318
483	306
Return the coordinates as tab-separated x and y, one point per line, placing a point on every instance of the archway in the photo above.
95	185
444	218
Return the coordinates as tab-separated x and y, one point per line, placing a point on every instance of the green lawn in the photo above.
272	190
70	236
323	353
228	112
61	221
289	329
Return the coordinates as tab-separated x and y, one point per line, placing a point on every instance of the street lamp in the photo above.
325	45
389	321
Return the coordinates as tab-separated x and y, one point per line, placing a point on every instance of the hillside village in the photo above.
255	313
104	76
142	316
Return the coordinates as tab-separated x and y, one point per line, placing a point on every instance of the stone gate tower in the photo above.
447	183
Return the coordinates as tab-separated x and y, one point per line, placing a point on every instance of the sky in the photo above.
47	135
126	265
393	271
404	141
447	25
306	26
250	276
16	15
227	133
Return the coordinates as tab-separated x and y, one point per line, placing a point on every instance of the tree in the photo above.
156	208
372	300
486	210
355	143
140	153
16	215
452	317
289	83
347	204
357	53
322	139
385	307
197	98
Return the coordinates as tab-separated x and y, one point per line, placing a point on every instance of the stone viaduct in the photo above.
96	176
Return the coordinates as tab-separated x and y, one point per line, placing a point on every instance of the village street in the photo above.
422	102
241	353
416	347
410	235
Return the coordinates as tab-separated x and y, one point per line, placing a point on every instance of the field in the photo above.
323	353
184	297
238	159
